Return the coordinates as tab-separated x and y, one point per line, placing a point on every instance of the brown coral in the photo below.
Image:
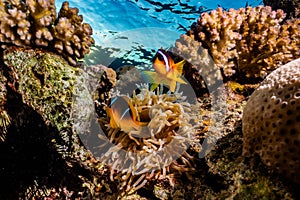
271	121
290	7
200	69
248	41
34	23
106	82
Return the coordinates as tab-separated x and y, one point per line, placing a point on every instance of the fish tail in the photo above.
175	76
179	66
180	80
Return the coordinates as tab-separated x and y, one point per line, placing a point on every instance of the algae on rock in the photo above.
47	83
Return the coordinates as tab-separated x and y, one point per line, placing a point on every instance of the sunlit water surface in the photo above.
130	31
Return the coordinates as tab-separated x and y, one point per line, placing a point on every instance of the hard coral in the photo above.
161	149
271	121
72	37
248	41
290	7
200	69
33	23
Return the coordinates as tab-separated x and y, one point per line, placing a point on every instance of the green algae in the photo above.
45	82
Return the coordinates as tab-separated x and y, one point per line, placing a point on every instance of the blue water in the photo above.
134	29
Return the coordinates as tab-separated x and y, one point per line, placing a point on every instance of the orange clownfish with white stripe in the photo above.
166	71
123	115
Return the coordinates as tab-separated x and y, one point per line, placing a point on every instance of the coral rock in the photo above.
249	42
34	24
48	85
271	121
291	7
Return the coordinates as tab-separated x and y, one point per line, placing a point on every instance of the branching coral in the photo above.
248	41
106	83
290	7
33	23
72	37
200	70
271	121
158	150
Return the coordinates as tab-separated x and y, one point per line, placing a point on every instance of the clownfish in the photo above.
123	115
166	71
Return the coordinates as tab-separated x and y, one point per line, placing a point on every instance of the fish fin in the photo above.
176	77
172	86
179	66
112	122
154	86
150	77
133	111
143	131
153	78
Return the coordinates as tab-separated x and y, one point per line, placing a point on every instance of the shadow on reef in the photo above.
227	174
29	162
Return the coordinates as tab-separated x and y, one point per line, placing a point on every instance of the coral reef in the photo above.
40	99
63	167
34	24
48	105
227	175
42	85
161	149
199	63
271	121
248	42
290	7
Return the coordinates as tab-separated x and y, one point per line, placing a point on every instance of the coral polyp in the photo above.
154	151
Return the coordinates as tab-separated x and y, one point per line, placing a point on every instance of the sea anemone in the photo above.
163	147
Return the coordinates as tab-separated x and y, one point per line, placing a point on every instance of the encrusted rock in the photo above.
271	121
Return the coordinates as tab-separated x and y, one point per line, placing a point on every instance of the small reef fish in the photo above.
166	71
123	115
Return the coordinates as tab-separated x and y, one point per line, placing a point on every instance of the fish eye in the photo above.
160	57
